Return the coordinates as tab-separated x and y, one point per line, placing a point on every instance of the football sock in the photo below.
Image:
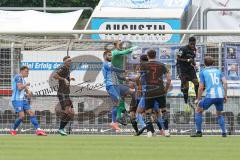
34	121
114	114
17	123
221	123
198	120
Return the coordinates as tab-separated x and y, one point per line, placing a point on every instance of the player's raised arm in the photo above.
123	52
118	49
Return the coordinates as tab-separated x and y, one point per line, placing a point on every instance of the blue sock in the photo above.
114	114
34	121
17	123
221	123
161	121
198	121
140	120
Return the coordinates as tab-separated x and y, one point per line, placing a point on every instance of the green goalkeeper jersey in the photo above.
118	57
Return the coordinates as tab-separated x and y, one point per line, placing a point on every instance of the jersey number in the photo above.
154	72
215	79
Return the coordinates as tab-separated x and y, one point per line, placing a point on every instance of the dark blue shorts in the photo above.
207	102
141	104
20	106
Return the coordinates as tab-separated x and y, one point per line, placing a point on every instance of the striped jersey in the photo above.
18	95
111	74
212	79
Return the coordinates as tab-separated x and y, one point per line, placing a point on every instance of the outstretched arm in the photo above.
124	52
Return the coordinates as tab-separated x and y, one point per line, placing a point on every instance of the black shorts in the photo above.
64	100
188	76
149	102
133	104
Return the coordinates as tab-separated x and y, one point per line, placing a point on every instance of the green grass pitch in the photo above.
119	148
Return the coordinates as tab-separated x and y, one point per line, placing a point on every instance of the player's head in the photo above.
192	42
208	61
151	54
117	44
67	61
24	71
143	58
107	55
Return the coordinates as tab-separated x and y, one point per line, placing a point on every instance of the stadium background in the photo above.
91	103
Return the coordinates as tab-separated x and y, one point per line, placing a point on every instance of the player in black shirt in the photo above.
66	112
186	68
155	88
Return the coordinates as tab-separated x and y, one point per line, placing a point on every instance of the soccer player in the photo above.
137	105
65	112
186	68
134	116
215	83
20	96
155	89
118	61
115	90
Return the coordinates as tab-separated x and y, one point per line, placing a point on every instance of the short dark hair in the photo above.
192	39
106	52
208	61
151	54
144	58
66	57
23	68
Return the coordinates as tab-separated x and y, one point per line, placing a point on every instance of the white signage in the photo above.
86	69
136	26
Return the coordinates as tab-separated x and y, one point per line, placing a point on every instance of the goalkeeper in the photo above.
118	61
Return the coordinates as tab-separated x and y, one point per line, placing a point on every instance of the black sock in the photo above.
196	89
149	122
141	130
134	125
185	95
63	124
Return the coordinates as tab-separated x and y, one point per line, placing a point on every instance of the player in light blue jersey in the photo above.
216	94
116	91
20	101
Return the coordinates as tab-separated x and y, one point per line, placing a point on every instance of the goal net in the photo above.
92	105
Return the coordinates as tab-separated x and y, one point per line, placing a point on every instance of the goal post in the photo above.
43	52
